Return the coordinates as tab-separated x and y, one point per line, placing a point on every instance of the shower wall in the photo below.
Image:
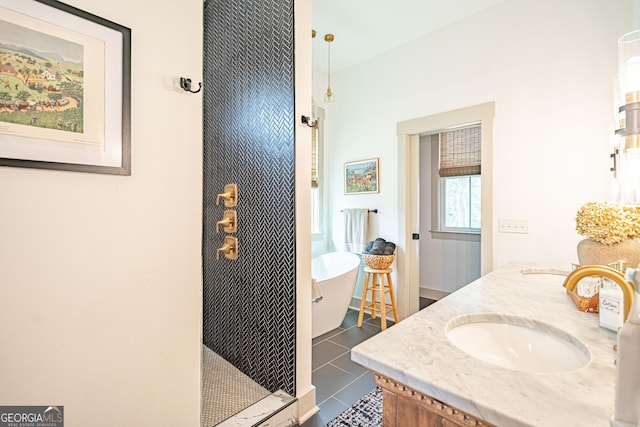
249	304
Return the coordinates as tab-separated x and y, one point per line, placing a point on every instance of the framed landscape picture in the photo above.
361	177
64	89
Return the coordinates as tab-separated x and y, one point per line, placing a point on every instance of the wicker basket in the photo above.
378	262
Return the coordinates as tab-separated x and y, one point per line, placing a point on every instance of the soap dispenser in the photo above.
627	406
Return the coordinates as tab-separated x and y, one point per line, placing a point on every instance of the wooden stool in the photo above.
378	287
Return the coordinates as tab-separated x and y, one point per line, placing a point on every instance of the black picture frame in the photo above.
98	138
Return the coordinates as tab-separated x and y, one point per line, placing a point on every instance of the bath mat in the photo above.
366	412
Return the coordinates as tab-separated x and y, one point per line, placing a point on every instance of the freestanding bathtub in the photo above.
335	274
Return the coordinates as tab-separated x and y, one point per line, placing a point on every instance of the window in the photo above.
459	189
460	203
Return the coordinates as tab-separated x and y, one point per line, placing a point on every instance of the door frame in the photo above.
408	133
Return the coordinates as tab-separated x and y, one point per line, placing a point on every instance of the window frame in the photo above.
437	206
442	207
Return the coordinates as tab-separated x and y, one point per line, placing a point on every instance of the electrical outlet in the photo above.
513	226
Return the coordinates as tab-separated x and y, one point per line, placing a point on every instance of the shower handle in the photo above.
229	194
226	196
229	248
229	222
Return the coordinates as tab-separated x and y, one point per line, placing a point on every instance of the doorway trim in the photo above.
408	133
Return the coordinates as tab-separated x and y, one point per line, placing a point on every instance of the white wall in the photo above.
547	65
100	287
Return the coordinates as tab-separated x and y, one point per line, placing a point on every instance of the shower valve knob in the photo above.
224	223
229	222
229	195
229	248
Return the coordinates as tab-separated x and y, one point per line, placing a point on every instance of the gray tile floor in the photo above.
340	382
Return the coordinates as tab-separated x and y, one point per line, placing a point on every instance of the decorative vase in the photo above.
592	252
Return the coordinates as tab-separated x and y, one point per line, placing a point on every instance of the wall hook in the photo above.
185	84
309	121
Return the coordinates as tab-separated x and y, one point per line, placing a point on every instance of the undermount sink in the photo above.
517	343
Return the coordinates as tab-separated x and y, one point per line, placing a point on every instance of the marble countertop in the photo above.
416	352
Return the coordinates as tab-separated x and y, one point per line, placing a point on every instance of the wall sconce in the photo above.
628	167
329	97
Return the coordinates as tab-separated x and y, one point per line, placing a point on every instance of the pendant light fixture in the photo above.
329	97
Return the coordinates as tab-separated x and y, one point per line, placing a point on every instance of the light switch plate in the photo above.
506	225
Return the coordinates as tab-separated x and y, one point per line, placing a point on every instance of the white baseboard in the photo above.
294	414
432	293
306	405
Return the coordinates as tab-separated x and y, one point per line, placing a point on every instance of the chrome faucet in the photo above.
610	273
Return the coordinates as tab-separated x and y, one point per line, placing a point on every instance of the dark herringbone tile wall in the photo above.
249	304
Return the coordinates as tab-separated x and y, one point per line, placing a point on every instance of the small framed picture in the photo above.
362	177
64	89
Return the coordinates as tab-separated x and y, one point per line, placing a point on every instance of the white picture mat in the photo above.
109	151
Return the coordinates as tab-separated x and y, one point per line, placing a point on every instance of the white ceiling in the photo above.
366	28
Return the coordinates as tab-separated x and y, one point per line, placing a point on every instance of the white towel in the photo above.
316	296
355	230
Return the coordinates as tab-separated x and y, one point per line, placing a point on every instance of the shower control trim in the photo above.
229	222
229	248
229	195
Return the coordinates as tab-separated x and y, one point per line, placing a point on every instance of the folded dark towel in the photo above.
380	247
368	248
389	248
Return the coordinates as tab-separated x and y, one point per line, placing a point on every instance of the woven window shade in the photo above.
314	157
460	152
